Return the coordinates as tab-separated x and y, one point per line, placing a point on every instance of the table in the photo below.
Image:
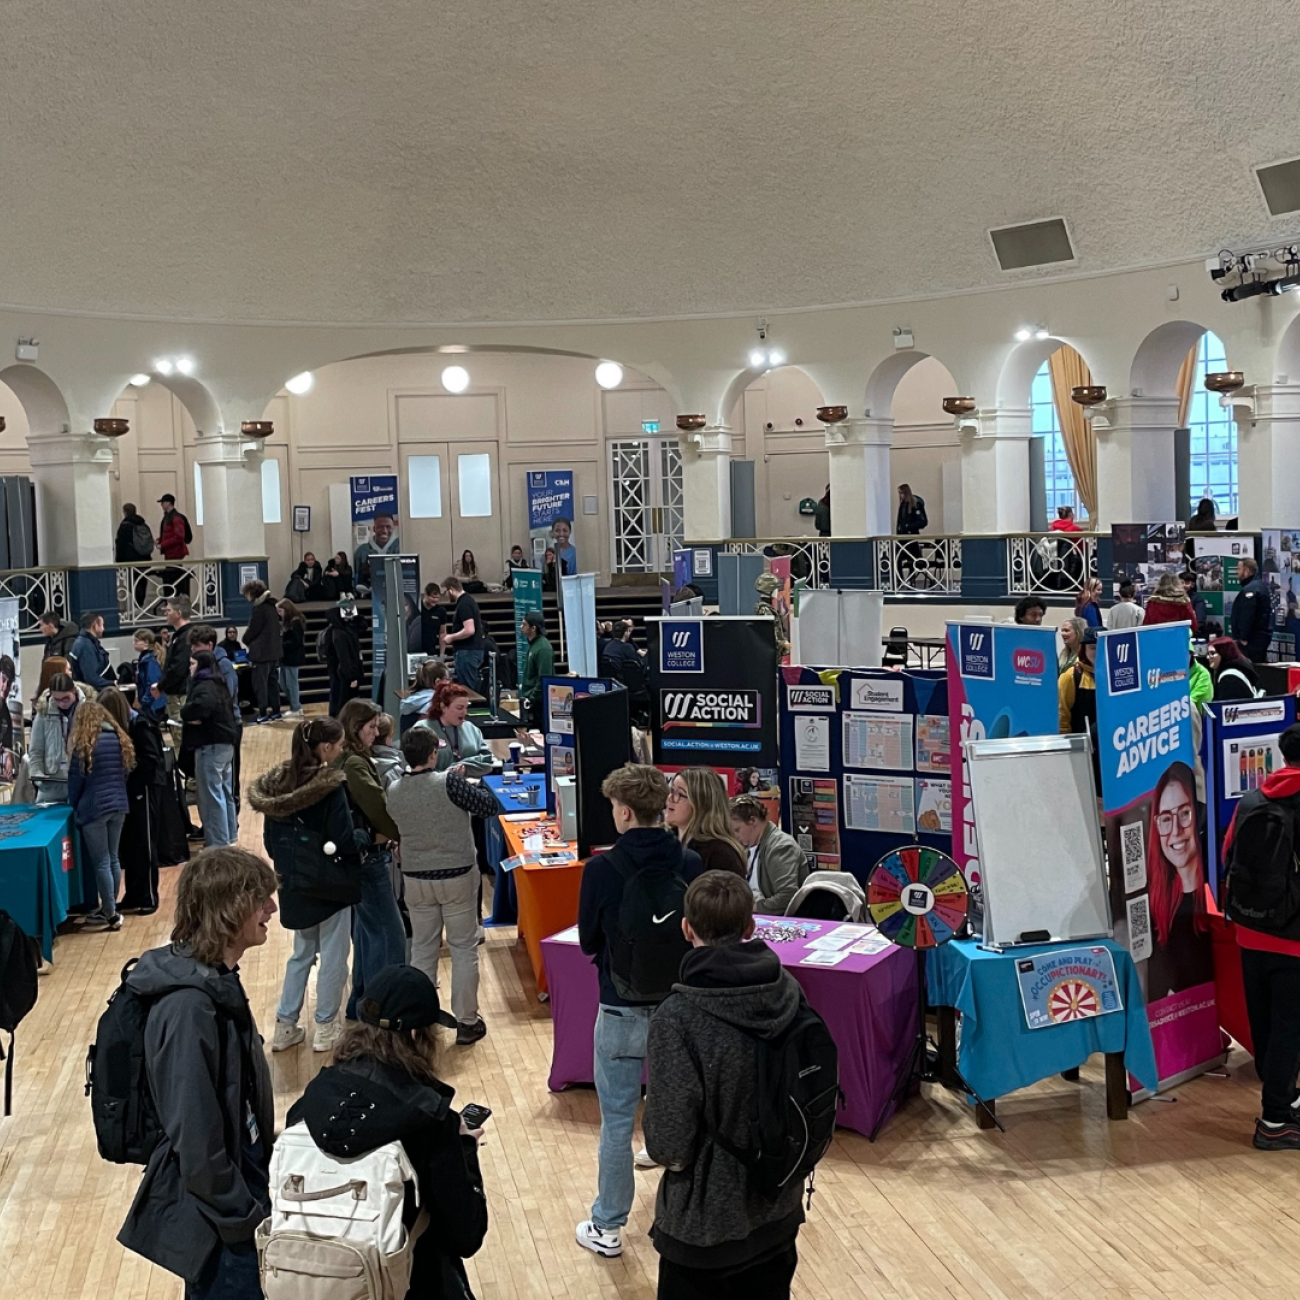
867	1001
39	868
505	909
547	897
1000	1053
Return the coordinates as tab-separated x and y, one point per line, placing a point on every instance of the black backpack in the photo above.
18	989
126	1123
1263	866
796	1095
647	947
142	540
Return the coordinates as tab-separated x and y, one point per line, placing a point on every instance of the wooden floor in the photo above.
1065	1205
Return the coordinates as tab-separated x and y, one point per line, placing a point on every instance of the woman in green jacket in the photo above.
378	935
460	742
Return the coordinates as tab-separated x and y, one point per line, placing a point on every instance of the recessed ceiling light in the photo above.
163	366
138	381
1024	335
609	374
185	365
300	384
455	379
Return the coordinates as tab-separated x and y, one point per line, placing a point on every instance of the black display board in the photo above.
602	743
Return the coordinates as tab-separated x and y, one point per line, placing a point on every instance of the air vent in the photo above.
1281	185
1037	244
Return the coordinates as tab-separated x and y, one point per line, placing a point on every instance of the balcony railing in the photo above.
1047	564
38	591
918	566
809	558
144	587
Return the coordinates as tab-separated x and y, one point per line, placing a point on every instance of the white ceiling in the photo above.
416	161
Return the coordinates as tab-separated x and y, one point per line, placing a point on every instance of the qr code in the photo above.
1133	856
1139	927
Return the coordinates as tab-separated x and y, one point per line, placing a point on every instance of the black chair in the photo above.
822	905
895	655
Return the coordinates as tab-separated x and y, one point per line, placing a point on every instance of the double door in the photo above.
450	502
646	514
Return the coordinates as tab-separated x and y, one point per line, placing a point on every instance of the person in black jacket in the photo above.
176	671
338	577
343	655
134	541
306	794
208	741
911	512
265	649
145	782
293	648
385	1069
310	574
1252	612
59	634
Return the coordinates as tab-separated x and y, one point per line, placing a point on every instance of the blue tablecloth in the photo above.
999	1052
39	878
505	907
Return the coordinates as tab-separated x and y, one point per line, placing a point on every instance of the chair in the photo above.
895	655
828	896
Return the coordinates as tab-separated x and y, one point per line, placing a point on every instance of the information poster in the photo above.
934	805
812	739
1069	984
1148	785
1281	570
558	694
886	804
878	740
527	588
933	750
374	513
815	820
1143	553
1214	560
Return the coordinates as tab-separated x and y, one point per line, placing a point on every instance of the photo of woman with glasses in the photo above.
1181	957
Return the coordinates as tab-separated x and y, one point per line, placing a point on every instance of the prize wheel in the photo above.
917	897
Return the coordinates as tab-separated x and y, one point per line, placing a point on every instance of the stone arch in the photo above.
745	378
878	401
43	403
1160	356
1023	362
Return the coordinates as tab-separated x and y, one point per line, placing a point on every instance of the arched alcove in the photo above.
1160	357
42	402
1023	362
926	451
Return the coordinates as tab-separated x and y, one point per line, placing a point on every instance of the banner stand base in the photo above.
1215	1063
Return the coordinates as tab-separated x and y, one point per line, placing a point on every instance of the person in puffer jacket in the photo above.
101	756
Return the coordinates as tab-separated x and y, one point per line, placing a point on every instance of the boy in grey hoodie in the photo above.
717	1236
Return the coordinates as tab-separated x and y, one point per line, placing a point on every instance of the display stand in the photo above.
558	695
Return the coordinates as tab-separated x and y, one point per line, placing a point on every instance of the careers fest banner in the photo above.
1002	682
550	497
1157	861
372	494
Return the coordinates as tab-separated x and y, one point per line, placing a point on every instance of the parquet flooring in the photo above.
1065	1206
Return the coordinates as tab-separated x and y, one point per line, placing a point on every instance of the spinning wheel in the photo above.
917	897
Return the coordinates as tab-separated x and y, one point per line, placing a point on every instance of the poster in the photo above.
527	587
1148	786
1141	553
1247	764
815	820
559	701
933	753
550	497
876	693
374	512
1066	985
11	691
1281	570
933	805
880	803
812	744
681	570
558	695
1214	561
878	740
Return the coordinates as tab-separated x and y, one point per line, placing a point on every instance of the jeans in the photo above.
765	1279
378	936
231	1273
266	687
468	663
332	939
101	839
1272	981
453	903
289	687
214	783
621	1034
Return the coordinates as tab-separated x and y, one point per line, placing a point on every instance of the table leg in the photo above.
1071	1076
984	1118
1116	1086
946	1018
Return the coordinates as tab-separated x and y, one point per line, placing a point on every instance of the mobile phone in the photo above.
474	1115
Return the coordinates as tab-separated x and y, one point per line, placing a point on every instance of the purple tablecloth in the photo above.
867	1001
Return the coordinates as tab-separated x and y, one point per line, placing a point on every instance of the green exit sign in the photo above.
649	426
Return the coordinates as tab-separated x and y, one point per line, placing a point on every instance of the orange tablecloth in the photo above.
548	897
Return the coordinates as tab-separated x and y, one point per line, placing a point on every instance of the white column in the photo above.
232	496
995	471
74	502
1268	452
861	495
706	483
1135	461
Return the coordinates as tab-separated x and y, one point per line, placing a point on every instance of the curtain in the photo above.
1069	370
1186	382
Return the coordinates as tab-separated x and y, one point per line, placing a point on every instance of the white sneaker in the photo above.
326	1036
286	1036
643	1160
599	1241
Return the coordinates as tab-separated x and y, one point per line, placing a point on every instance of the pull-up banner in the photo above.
1157	861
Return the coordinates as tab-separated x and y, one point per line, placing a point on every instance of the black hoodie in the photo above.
397	1108
343	647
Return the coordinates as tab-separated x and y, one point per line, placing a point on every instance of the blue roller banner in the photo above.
550	497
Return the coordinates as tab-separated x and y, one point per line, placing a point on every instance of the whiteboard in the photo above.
839	628
1039	835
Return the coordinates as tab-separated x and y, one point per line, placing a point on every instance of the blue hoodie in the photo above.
228	674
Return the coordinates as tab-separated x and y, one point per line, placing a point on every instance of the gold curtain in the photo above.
1186	382
1069	370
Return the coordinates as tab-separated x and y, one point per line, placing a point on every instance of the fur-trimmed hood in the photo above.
273	793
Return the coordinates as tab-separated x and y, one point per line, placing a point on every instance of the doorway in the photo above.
646	516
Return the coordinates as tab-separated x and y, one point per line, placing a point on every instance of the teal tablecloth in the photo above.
999	1052
39	877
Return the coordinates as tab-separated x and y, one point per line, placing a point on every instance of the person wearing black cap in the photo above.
384	1069
539	663
174	538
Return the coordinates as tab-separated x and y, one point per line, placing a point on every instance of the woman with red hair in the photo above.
1234	675
1181	957
460	742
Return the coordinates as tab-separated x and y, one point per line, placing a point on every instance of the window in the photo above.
271	491
1214	433
424	484
198	495
1056	465
474	475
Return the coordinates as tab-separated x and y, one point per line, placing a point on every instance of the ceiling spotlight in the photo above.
1024	335
455	379
776	357
138	381
300	384
757	359
609	374
185	365
163	366
1041	333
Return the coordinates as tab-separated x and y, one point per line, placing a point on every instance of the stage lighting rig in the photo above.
1256	272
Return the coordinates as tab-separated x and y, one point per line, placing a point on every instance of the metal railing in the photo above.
1046	564
918	566
38	591
810	558
143	587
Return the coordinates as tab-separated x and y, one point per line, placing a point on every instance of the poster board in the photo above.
558	695
602	734
1213	558
1142	553
12	746
374	513
1280	565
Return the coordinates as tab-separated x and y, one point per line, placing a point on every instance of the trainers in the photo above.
644	1160
91	920
115	921
326	1036
1277	1137
287	1036
467	1033
262	719
600	1241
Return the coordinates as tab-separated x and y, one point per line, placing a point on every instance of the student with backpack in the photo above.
743	1089
629	923
1262	850
179	1083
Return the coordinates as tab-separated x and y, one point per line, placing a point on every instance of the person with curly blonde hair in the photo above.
101	754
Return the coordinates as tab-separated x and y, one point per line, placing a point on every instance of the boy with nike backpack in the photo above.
630	923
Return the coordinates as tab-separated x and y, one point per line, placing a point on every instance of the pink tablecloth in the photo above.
867	1001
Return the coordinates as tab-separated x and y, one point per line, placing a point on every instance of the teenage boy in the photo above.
539	663
1125	612
466	635
1030	610
176	671
717	1237
638	795
1270	957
